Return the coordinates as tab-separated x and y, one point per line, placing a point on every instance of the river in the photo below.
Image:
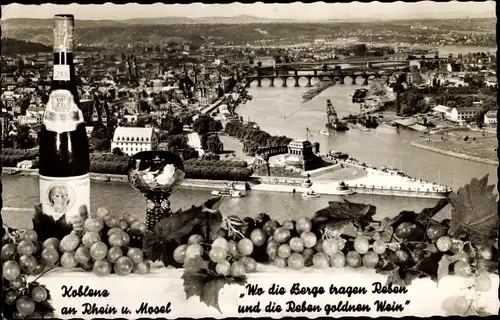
280	111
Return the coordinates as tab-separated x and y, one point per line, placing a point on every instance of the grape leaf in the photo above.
204	283
428	213
338	214
483	313
475	212
429	264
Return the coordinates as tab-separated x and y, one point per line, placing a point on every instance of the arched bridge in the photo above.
337	75
263	154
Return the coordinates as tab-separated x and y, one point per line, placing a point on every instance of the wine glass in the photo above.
156	174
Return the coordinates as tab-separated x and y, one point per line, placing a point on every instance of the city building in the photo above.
131	140
490	118
461	115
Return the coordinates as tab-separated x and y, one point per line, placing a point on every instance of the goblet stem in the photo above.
157	207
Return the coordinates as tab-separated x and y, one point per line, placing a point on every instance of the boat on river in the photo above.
333	119
227	193
338	154
324	132
342	189
310	194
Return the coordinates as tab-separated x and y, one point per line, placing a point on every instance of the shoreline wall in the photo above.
453	154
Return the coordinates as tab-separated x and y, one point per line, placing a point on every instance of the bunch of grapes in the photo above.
110	243
227	258
21	256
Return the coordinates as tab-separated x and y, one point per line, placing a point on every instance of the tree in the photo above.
172	124
118	152
24	139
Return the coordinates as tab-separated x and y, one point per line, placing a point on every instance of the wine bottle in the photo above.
64	150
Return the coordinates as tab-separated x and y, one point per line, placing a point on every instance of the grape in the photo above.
353	259
103	212
93	224
138	227
245	246
37	247
272	252
308	255
289	224
9	251
320	260
417	255
223	268
309	239
130	217
338	260
28	234
486	252
361	244
39	294
297	244
296	261
303	225
88	266
461	305
89	238
18	282
404	229
135	254
141	267
232	248
434	231
50	256
82	255
221	242
329	246
284	251
279	262
192	251
125	238
379	247
116	240
217	254
319	245
370	259
281	235
443	243
273	243
385	236
249	263
69	242
462	269
27	263
258	237
98	251
195	239
51	243
10	296
270	226
123	225
403	256
237	269
11	270
482	283
123	266
26	247
114	253
180	253
340	243
102	268
112	221
25	305
113	230
68	260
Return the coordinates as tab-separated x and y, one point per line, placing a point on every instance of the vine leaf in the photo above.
443	266
474	212
202	283
339	214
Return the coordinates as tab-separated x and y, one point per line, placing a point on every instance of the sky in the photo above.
296	10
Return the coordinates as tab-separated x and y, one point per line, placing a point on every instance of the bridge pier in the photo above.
342	80
271	83
366	81
296	81
296	73
309	84
259	82
284	82
353	80
315	72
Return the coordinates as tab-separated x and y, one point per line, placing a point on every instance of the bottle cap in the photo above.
64	26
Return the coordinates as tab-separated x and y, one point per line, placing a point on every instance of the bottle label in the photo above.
61	72
61	113
69	197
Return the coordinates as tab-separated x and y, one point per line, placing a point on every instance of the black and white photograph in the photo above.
249	160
